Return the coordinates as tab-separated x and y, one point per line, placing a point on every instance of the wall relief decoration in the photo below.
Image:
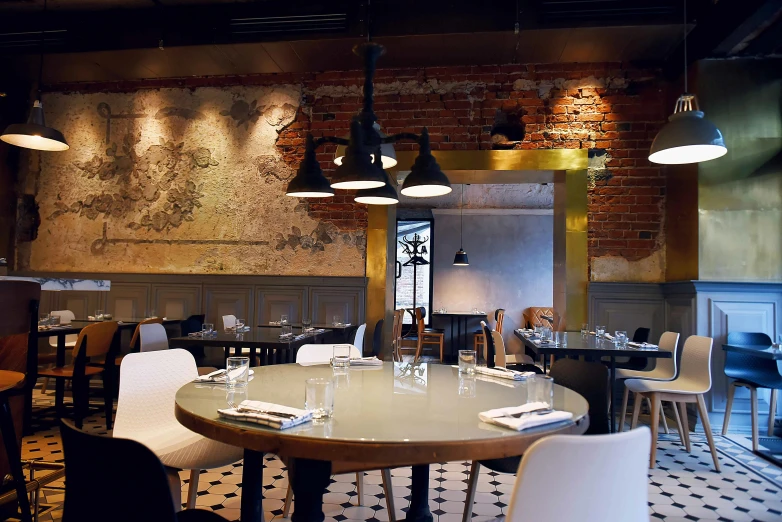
180	181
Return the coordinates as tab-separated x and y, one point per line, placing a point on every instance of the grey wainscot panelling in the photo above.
711	309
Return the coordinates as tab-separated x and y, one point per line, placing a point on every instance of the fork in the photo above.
539	411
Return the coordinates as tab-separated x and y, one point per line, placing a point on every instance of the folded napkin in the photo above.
291	337
647	346
341	325
531	420
366	361
264	413
217	376
512	375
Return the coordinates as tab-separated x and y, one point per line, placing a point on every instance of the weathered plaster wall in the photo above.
179	181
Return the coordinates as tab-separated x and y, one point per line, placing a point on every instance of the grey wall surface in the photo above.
511	266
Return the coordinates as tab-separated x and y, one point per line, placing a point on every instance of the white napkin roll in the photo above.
267	419
533	420
512	375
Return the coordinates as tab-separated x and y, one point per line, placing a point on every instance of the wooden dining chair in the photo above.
92	355
479	339
427	335
396	335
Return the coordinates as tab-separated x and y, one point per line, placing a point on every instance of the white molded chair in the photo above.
664	370
66	316
229	321
145	413
358	341
310	354
585	467
153	337
693	381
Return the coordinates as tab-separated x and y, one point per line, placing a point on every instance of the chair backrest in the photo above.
320	353
153	337
420	316
134	341
16	297
696	363
147	390
641	335
499	317
586	468
534	314
590	380
396	334
377	338
493	348
99	337
229	321
193	324
358	339
746	365
102	474
669	342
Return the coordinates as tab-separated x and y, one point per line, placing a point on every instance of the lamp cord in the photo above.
461	221
684	29
40	62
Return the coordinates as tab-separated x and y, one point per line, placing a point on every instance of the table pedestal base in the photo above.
252	487
309	480
419	500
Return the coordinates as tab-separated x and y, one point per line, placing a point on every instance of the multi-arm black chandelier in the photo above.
367	153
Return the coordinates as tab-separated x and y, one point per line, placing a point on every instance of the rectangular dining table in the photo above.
590	347
265	344
338	334
460	340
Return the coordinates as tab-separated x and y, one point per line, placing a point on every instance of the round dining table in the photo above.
397	414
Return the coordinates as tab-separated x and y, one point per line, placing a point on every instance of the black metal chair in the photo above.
377	339
752	373
491	350
104	477
590	380
193	324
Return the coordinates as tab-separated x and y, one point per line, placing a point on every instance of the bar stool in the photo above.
10	384
479	339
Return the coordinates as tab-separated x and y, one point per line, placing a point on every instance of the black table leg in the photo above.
454	342
419	500
252	487
612	426
309	480
14	459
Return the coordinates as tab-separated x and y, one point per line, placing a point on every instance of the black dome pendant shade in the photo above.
357	170
35	134
460	259
385	195
425	179
309	181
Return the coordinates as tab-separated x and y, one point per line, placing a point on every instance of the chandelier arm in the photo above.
330	139
402	136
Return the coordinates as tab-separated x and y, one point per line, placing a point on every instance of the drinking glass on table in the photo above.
537	327
340	357
239	324
207	329
620	338
306	324
283	319
540	388
468	360
99	315
545	334
44	322
151	313
286	330
558	338
585	329
336	320
600	331
319	397
237	372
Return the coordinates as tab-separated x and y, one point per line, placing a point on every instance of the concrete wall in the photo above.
511	265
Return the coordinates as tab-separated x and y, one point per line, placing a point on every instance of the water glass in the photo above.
286	330
306	324
239	324
467	386
150	313
319	397
283	319
537	327
585	329
540	388
237	372
468	360
558	338
600	330
207	329
545	334
99	315
44	320
620	338
337	320
563	339
341	356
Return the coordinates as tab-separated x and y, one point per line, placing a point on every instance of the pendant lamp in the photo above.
688	137
386	151
35	134
425	180
385	195
309	181
460	259
357	170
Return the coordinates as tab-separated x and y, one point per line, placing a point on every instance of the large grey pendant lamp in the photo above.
460	259
688	137
35	134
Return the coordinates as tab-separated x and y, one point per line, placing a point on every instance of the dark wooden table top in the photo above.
762	351
316	325
259	336
590	345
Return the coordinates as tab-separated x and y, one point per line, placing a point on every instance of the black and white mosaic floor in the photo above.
682	487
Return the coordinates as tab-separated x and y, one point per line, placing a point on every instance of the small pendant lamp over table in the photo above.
460	259
385	195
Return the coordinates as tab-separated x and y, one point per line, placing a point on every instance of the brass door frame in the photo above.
565	168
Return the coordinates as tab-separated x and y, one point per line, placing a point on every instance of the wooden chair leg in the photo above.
59	397
753	400
45	384
662	417
665	424
625	397
472	487
442	347
655	429
388	491
772	412
360	487
286	507
728	407
192	488
685	426
637	398
707	428
678	421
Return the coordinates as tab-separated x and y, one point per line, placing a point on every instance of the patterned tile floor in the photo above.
682	487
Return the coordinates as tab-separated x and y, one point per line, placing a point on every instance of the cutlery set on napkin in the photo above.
268	414
218	376
643	346
503	373
526	416
354	362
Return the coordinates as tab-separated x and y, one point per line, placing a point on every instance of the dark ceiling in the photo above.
96	40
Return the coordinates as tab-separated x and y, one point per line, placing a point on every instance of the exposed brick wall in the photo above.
607	106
